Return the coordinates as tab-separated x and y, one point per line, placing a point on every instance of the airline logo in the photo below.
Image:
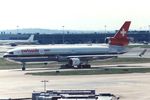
123	32
30	51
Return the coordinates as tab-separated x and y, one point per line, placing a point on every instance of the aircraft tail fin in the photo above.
121	38
31	38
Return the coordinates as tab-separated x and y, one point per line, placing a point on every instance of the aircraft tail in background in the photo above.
31	38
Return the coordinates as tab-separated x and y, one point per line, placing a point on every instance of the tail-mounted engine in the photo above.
117	41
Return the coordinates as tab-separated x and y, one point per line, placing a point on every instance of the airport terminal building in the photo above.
74	38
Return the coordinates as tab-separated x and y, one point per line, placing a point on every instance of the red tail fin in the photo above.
121	38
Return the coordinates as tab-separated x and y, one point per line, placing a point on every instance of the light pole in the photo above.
17	28
149	28
105	28
105	33
44	81
63	34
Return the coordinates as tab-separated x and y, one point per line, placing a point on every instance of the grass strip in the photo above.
94	71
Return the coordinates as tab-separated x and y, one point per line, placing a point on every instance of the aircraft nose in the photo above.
5	55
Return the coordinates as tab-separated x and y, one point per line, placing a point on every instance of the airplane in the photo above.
30	40
76	56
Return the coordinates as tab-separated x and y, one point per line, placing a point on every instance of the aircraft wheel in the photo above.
23	68
88	66
45	63
66	66
80	66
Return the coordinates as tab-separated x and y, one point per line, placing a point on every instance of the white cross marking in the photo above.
123	32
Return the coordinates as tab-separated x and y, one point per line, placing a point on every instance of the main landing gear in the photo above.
84	66
76	63
80	66
23	66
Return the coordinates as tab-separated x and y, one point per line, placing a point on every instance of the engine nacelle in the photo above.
107	40
117	41
74	61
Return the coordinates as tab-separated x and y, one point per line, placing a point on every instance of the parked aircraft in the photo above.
75	55
30	40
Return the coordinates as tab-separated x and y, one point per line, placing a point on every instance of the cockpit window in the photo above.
11	53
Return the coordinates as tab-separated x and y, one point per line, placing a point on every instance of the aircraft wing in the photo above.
93	57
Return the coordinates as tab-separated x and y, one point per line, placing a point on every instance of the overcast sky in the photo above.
74	14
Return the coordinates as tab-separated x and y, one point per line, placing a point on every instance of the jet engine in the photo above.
118	41
107	40
74	62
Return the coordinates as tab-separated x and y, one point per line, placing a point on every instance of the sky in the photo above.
74	14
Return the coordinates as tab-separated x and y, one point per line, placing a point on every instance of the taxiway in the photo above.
15	84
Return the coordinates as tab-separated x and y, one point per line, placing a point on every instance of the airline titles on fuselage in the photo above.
30	50
35	51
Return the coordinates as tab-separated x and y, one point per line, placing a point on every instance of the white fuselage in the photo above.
53	52
14	41
63	49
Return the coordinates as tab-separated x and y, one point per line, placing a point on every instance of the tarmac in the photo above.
15	84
